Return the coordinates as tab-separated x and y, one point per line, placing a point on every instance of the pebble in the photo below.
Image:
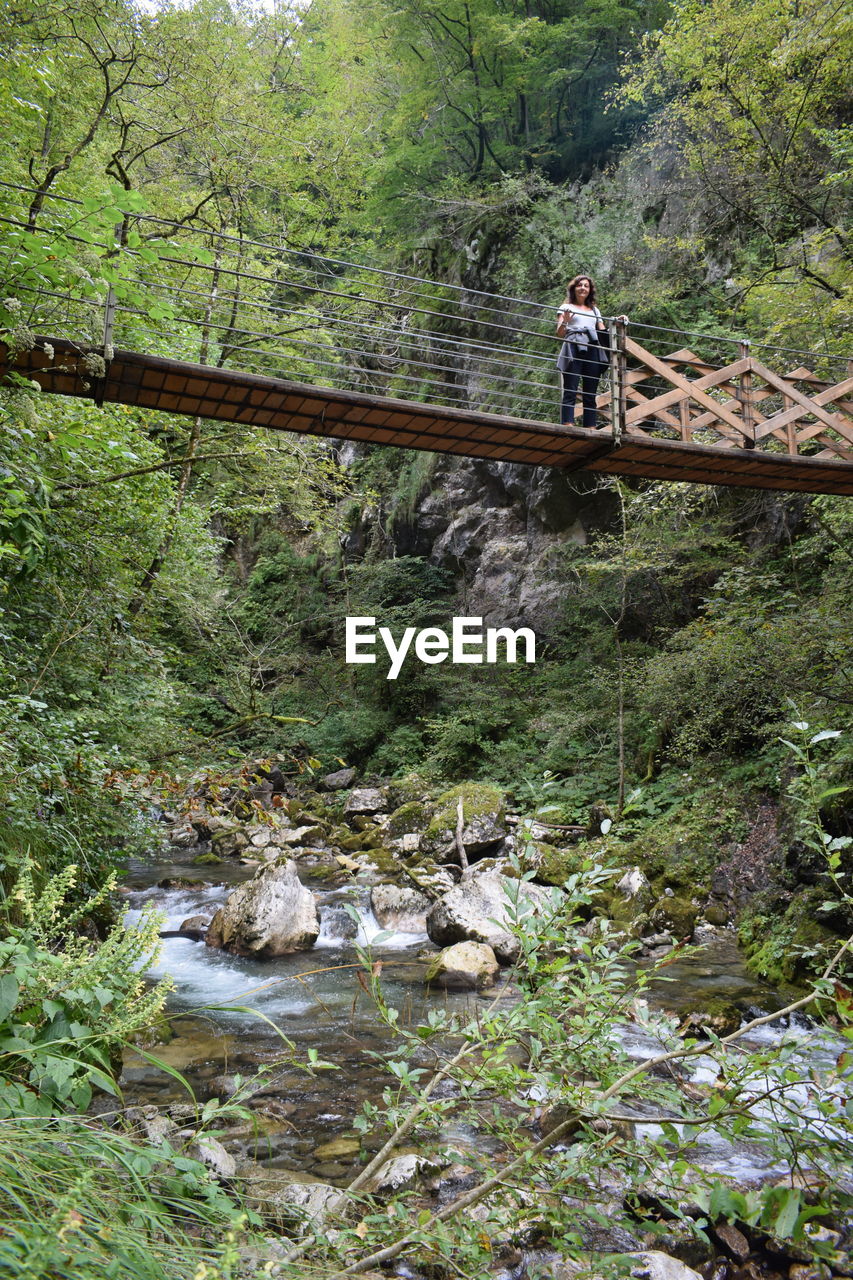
338	1147
736	1242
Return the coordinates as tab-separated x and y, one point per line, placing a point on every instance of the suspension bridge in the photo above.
217	326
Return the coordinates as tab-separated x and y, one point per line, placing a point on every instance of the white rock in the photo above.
279	1193
403	910
367	800
632	884
273	852
272	914
480	910
299	835
400	1171
212	1154
654	1265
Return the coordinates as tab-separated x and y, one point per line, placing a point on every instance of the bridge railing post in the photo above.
744	395
99	384
618	378
110	302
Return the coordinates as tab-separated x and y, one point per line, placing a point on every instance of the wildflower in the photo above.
22	338
94	364
12	304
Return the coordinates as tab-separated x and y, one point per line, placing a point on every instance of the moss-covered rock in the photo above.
411	787
787	940
466	966
411	818
549	864
353	843
719	1016
716	912
430	878
209	859
383	860
675	914
483	818
629	903
228	842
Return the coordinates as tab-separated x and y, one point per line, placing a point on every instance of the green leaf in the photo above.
790	1204
725	1203
9	991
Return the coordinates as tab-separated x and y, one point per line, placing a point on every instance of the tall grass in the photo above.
78	1201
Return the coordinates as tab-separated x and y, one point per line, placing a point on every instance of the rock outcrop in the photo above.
498	527
483	821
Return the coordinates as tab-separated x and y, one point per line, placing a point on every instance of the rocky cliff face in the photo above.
498	528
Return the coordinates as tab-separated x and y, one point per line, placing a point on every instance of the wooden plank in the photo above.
705	420
833	450
663	415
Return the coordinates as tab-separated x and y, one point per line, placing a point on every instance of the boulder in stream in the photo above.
466	966
401	909
195	926
398	1172
295	1199
480	910
272	914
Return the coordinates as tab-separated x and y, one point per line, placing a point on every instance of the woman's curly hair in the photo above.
573	284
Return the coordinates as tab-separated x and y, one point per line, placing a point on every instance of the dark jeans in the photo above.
588	374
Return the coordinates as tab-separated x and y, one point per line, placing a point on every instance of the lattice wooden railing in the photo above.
742	405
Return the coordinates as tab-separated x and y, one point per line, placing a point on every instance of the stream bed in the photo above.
226	1013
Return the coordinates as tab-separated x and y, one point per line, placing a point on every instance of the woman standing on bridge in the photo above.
582	358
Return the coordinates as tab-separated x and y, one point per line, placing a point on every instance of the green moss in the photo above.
553	865
207	860
385	861
790	944
478	800
410	787
408	818
676	914
717	1014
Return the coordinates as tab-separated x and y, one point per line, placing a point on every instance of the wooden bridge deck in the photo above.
275	404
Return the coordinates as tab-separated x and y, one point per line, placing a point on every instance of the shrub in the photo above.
67	1004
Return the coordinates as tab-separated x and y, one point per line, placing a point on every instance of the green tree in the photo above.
755	97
